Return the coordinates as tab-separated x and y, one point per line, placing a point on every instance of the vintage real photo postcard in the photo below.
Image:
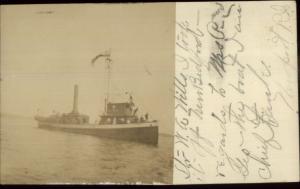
86	93
149	93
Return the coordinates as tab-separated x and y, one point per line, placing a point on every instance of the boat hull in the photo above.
144	133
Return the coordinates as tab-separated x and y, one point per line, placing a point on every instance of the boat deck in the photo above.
97	126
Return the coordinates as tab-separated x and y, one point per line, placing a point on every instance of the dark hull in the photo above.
142	134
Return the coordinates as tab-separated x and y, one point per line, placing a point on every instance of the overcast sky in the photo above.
46	49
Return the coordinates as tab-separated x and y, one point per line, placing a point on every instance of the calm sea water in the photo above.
31	155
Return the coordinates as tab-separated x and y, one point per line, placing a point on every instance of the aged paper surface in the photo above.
119	58
88	93
236	108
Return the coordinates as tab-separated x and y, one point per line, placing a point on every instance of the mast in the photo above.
108	68
108	62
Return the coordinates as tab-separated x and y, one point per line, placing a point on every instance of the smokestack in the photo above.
75	103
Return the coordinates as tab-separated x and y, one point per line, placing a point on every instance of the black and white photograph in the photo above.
86	93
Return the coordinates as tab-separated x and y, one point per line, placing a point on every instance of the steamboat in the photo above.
120	120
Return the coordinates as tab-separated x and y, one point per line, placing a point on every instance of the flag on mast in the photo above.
106	54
